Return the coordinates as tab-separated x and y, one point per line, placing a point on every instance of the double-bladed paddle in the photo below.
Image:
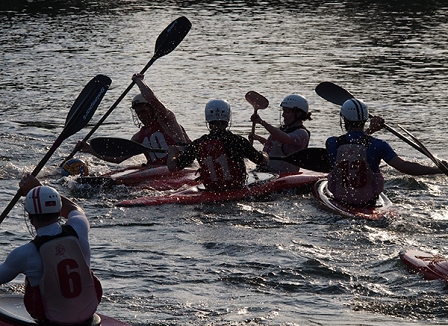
258	102
119	147
315	159
338	95
79	115
167	41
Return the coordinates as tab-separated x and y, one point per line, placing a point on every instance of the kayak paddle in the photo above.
258	102
441	165
338	95
119	147
315	159
167	41
77	118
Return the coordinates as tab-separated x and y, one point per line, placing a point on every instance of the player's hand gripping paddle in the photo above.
77	118
167	41
258	102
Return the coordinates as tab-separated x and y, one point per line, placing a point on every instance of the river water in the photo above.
284	261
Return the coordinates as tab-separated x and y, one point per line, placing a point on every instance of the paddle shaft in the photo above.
34	173
166	42
104	117
338	95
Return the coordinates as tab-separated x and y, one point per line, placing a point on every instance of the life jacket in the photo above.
154	136
351	180
218	170
291	129
68	290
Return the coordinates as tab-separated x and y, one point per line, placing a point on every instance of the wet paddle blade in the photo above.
171	36
119	147
167	41
314	159
258	101
333	93
78	116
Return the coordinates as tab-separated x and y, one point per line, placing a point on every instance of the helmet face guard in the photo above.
43	200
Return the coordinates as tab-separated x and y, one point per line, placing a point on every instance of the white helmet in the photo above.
217	110
354	110
138	99
294	101
43	200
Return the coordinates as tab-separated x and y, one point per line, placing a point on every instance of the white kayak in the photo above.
382	208
13	312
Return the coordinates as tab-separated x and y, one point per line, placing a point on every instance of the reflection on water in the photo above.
281	261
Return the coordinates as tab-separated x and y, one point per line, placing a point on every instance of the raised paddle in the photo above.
119	147
315	159
258	102
77	118
338	95
167	41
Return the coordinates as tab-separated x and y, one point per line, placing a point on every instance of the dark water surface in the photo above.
284	261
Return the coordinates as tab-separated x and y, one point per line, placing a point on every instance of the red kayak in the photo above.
259	184
382	208
430	266
13	313
155	178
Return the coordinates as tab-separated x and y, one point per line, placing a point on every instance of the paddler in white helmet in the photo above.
220	153
158	125
355	156
290	137
59	285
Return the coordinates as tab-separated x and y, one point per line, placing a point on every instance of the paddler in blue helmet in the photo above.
59	285
158	125
355	156
220	153
290	137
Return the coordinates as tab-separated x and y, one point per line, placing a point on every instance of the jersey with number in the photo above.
221	158
352	180
154	136
67	289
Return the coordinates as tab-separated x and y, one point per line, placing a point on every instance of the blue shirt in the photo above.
378	149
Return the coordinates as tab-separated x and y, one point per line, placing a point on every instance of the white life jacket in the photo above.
67	286
352	181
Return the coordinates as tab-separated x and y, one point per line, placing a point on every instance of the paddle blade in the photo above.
78	116
315	159
85	105
171	36
119	147
258	101
333	93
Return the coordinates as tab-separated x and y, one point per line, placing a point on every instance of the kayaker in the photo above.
158	125
355	156
59	285
220	153
290	137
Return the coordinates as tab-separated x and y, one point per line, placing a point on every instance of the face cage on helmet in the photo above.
282	124
135	118
228	124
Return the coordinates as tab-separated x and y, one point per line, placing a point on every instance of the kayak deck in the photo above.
430	266
259	184
383	207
